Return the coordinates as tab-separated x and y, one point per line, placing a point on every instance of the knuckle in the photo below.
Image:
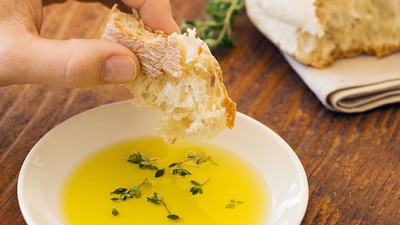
73	72
82	68
73	69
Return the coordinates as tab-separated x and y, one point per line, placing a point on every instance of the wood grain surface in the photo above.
352	161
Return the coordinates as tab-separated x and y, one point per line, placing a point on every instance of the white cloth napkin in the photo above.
354	85
350	85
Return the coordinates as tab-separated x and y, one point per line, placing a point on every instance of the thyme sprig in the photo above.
197	187
216	28
145	162
179	169
133	192
197	159
200	158
142	161
157	199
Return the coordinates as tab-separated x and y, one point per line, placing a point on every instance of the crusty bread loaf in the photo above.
179	75
316	32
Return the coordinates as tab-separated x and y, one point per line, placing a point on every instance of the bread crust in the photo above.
162	57
378	51
349	28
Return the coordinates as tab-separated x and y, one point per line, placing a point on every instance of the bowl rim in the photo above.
303	201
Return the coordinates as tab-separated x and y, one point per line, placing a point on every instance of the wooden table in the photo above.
352	161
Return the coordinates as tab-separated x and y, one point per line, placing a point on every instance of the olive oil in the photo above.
86	199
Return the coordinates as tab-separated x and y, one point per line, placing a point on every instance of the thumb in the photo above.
72	63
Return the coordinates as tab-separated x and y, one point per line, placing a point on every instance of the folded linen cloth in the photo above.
355	84
350	85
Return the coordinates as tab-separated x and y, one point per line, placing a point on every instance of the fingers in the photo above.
155	13
25	57
70	63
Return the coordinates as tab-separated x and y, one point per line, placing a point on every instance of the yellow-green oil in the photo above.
86	199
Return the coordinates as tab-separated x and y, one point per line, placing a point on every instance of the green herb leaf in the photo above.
142	161
197	187
152	200
200	158
155	198
160	173
191	155
196	190
125	196
135	158
172	165
184	172
173	217
195	183
135	191
181	171
216	29
119	191
115	212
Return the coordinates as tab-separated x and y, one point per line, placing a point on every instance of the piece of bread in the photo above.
316	32
179	75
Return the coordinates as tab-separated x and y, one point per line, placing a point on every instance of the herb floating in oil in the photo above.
179	169
232	204
115	212
157	199
133	192
200	158
197	187
160	173
145	162
197	159
216	29
119	191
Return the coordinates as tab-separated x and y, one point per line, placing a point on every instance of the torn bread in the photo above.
317	32
179	75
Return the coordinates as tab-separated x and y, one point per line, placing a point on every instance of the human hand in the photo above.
26	57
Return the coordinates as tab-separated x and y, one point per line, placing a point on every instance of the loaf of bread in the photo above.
316	32
179	75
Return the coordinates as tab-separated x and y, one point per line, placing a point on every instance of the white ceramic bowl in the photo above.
56	155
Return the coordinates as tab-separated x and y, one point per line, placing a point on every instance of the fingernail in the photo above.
119	69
